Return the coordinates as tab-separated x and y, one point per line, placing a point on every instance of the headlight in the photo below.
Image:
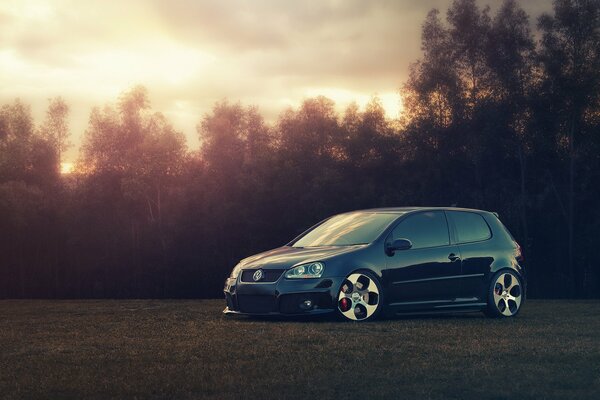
236	271
312	270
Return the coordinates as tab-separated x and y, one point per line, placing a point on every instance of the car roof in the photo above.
403	210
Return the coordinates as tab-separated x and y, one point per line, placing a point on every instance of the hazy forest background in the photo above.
501	112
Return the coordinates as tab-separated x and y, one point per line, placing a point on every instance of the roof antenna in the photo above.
454	205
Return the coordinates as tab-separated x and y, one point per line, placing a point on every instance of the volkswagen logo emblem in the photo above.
258	275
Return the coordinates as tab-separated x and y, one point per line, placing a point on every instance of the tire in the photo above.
505	295
360	297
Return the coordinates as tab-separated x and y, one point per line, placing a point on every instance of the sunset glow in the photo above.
67	168
183	180
391	101
191	54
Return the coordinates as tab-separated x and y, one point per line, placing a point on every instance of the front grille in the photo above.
257	304
269	275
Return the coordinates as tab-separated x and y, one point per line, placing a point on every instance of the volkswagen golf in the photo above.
369	263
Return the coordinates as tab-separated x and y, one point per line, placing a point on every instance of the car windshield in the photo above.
347	230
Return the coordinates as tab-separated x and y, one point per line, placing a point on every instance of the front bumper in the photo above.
282	297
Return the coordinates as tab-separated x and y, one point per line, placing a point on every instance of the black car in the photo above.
362	264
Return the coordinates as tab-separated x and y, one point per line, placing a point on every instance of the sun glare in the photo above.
31	10
66	168
146	62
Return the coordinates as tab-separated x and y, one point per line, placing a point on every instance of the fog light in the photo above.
306	305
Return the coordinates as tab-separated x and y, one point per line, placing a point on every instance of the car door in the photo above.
426	274
472	235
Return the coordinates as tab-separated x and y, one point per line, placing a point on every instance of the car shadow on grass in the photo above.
332	318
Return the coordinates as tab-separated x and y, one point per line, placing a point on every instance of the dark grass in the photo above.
188	349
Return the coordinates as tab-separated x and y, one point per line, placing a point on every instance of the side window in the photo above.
470	227
427	229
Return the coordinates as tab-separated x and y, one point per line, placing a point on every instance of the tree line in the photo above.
497	115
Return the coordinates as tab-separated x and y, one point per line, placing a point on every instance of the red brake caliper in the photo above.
344	304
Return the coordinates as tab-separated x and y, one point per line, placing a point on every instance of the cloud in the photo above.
191	53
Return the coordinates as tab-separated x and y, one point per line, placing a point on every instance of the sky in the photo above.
190	54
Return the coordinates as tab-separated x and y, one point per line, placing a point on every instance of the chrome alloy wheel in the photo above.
507	294
359	297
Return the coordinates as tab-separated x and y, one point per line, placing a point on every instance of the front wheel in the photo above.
505	295
360	297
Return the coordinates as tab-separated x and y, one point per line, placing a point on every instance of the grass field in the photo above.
188	349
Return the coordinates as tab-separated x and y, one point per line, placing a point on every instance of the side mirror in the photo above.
398	244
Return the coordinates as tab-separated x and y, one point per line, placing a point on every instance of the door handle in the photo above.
453	257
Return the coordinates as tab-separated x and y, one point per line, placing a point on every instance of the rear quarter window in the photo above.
425	229
469	227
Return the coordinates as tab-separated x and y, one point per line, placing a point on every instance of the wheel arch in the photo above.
504	263
363	269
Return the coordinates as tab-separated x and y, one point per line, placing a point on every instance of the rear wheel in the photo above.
360	297
505	295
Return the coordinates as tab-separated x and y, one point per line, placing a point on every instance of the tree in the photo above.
431	95
510	55
134	158
468	33
55	128
16	137
570	56
312	132
222	138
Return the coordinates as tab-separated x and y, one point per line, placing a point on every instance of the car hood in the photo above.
287	256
